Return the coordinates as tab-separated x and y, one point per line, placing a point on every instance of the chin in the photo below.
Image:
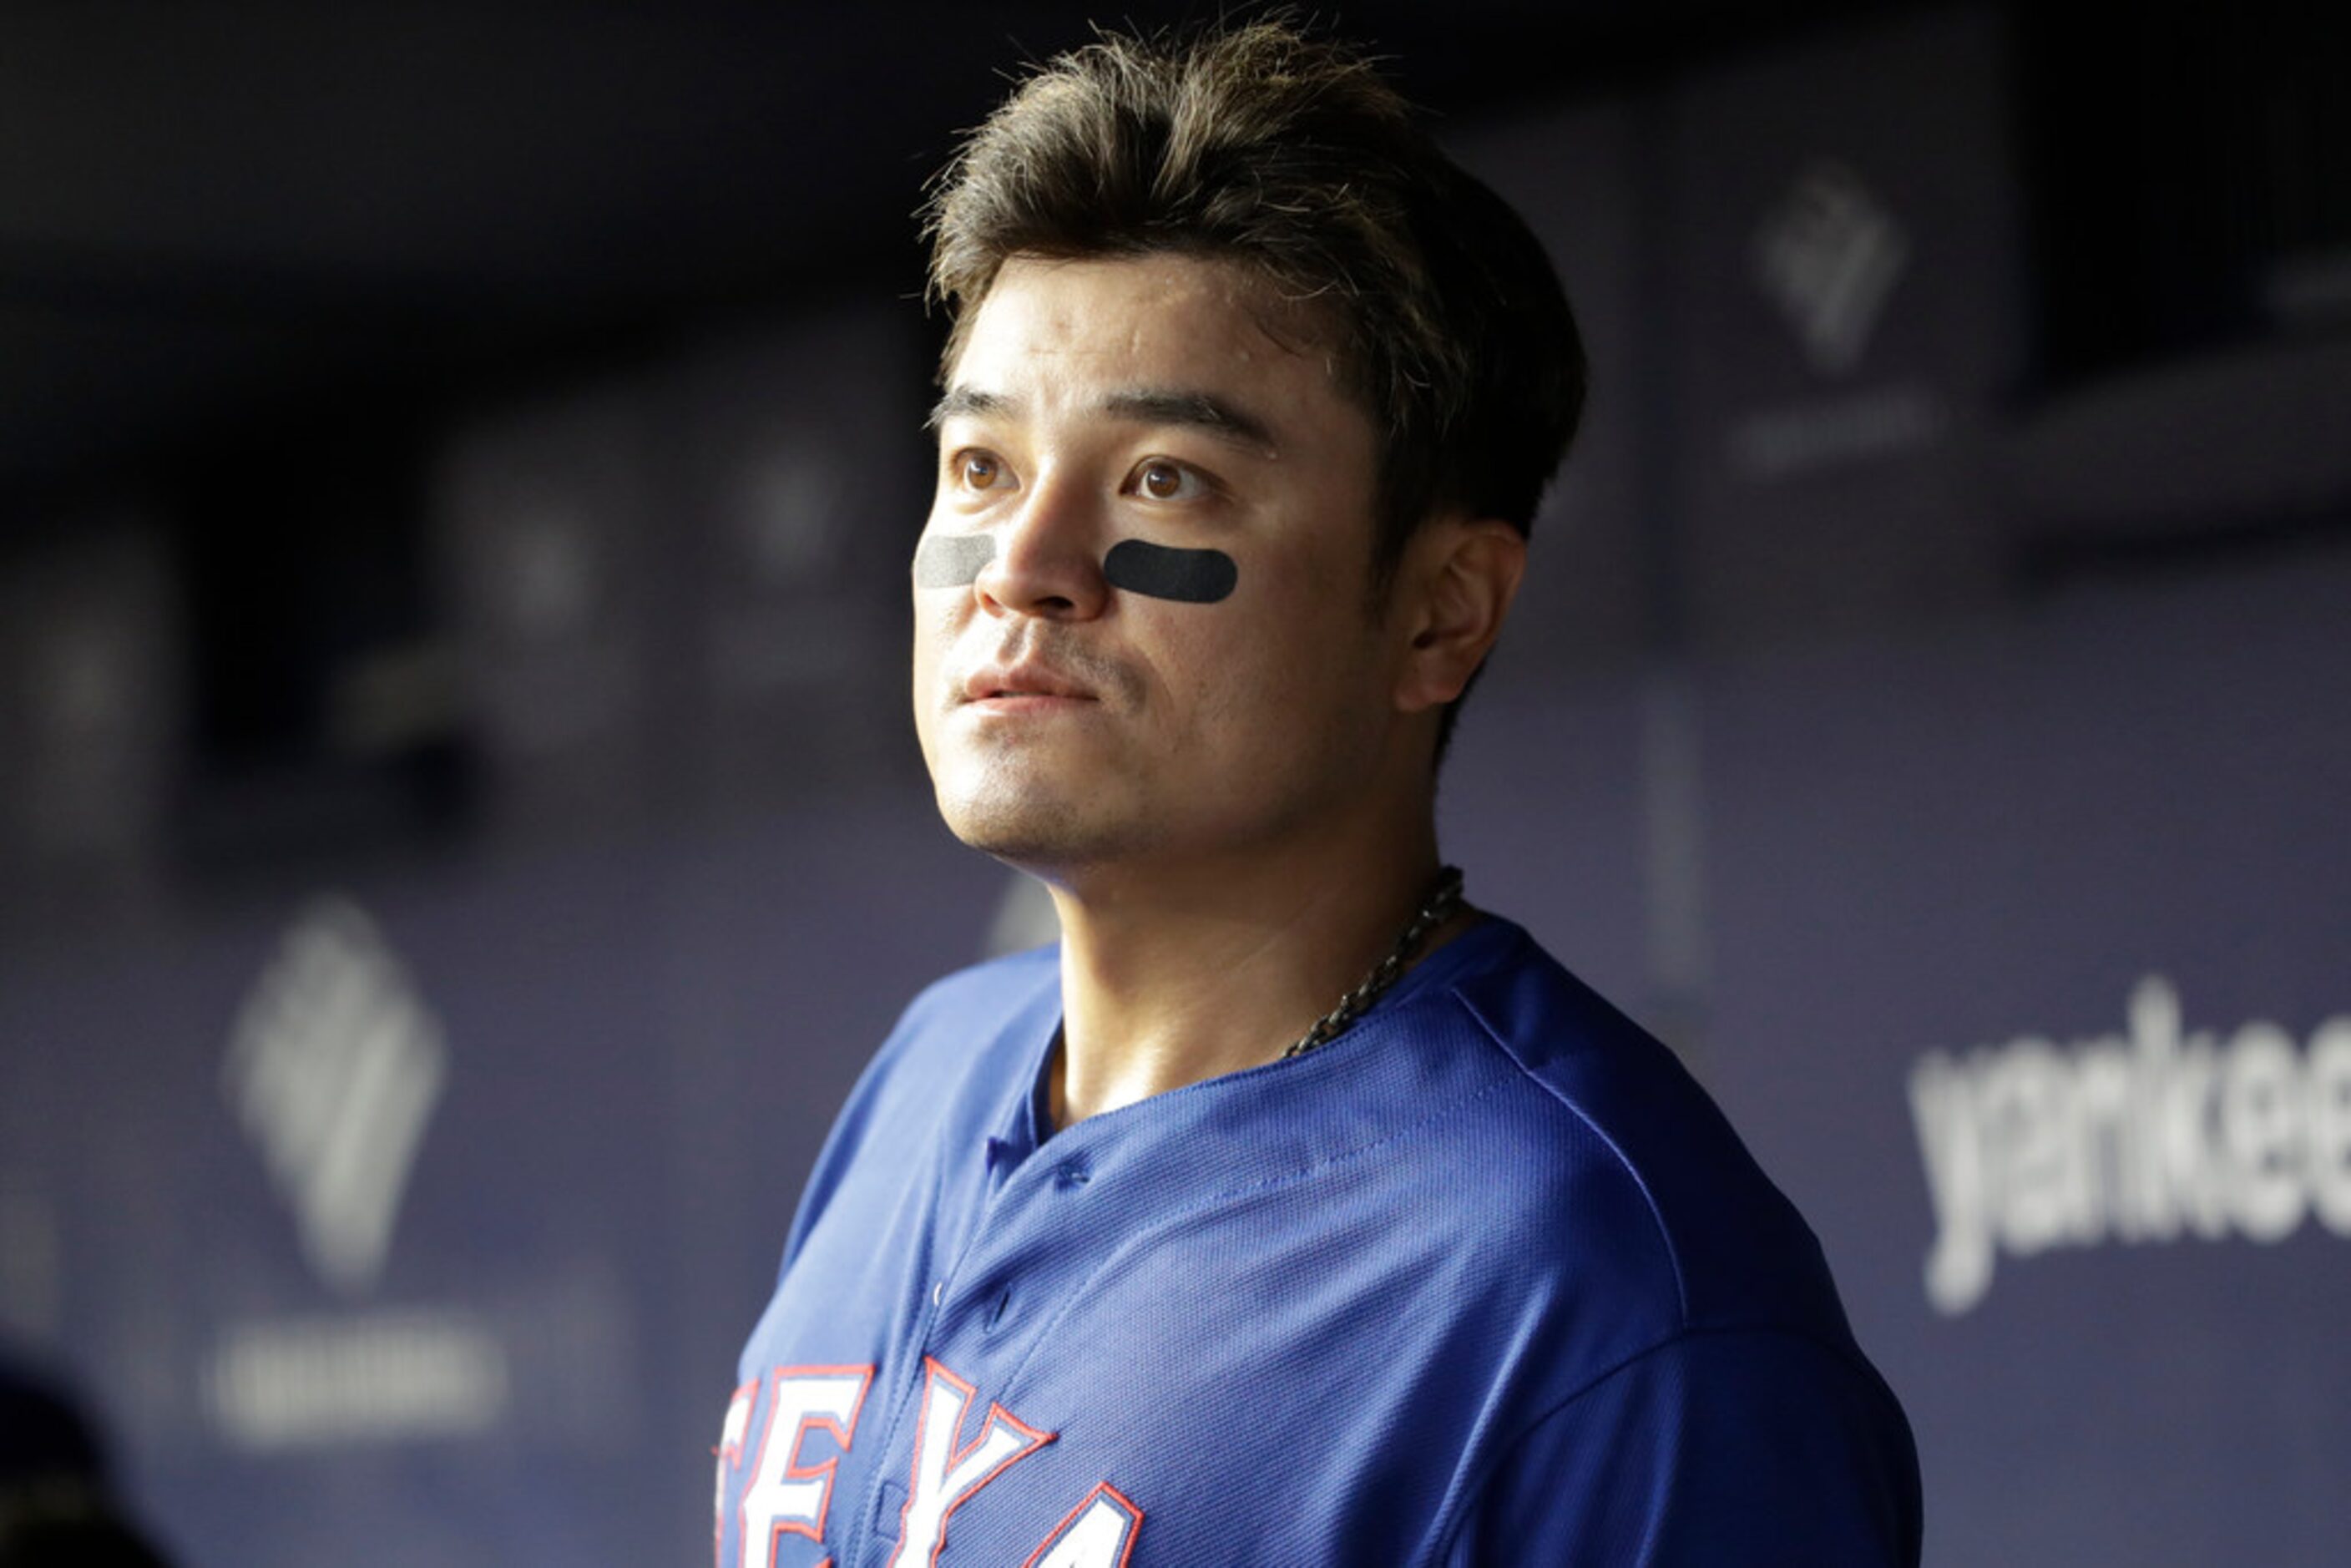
1037	830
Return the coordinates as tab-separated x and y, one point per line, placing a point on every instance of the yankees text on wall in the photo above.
2157	1134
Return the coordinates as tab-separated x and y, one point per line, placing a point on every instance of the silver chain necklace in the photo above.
1444	901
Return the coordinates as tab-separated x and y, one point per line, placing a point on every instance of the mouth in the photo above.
1022	685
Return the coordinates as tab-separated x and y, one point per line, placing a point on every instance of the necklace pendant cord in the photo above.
1443	902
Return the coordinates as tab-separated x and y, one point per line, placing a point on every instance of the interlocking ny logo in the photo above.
1828	255
334	1066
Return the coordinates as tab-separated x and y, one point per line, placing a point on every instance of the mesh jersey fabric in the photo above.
1488	1279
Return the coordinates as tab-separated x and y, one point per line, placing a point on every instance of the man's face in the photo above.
1071	722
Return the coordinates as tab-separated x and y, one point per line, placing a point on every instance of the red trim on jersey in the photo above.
1070	1520
932	1371
793	1470
729	1455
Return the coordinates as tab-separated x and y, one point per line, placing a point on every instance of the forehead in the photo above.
1069	328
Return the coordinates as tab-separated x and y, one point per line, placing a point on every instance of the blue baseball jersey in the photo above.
1488	1279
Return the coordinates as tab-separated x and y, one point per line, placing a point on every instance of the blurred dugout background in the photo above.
459	836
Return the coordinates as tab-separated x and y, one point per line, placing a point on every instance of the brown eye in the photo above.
978	470
1164	481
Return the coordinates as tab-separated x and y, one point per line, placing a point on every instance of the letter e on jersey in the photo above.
787	1495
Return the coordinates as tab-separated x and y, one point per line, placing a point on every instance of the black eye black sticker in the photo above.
952	561
1137	566
1188	576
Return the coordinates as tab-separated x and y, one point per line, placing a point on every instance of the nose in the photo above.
1048	560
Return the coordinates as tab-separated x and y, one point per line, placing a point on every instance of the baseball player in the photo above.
1289	1210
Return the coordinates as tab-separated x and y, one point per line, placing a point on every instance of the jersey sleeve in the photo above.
1720	1448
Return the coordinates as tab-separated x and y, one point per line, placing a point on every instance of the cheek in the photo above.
1274	658
1313	605
1331	669
934	636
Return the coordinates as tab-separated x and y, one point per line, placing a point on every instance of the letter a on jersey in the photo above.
1098	1533
945	1477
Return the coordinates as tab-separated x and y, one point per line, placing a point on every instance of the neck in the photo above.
1178	974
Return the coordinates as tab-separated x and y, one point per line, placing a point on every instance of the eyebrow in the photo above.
1194	411
1143	405
965	401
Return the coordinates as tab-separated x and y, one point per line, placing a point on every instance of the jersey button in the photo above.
1071	1174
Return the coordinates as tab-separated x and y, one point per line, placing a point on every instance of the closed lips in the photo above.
1021	682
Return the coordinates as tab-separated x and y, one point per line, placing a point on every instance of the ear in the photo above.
1454	592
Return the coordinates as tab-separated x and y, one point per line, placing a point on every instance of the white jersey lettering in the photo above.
786	1495
1098	1533
731	1433
944	1478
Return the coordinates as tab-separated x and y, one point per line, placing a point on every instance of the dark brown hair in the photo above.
1291	154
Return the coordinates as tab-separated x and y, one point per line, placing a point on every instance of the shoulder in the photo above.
1696	1336
960	1040
952	1016
942	1075
1608	1131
